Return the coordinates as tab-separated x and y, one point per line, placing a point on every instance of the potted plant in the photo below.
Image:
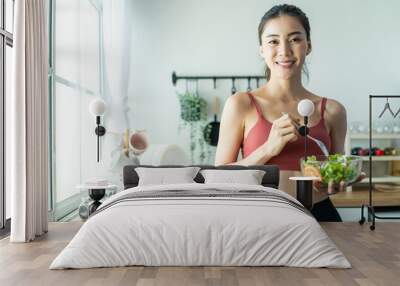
193	112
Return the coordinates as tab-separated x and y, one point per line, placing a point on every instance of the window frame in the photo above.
6	39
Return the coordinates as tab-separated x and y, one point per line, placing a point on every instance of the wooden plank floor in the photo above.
375	257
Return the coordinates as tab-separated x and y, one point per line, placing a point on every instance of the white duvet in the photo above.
183	231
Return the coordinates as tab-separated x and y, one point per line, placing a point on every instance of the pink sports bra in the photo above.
289	158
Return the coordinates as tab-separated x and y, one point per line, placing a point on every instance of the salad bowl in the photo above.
333	168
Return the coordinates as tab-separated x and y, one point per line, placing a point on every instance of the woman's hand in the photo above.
333	188
283	130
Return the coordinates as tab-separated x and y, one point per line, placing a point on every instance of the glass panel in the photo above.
1	14
50	21
2	109
76	81
67	125
8	69
67	129
9	15
77	50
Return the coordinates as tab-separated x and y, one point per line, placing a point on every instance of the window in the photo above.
6	44
74	77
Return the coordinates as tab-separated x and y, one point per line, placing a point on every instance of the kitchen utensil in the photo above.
211	130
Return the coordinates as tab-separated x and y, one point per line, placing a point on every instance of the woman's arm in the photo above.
231	134
337	121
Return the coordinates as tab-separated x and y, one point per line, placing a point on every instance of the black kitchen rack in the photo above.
215	78
371	213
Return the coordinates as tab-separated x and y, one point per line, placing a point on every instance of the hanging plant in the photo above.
193	114
193	107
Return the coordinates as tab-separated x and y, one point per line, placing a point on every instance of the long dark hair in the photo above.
284	10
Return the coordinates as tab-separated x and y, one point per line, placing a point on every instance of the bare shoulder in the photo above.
336	120
239	102
334	109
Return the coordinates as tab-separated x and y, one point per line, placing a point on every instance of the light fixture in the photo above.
305	109
98	107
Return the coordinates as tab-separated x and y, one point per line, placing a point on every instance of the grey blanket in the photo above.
207	193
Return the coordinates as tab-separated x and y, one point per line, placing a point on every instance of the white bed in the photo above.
224	225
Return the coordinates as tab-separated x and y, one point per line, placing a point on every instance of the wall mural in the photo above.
125	52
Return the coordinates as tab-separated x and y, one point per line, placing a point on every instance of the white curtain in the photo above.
29	122
116	51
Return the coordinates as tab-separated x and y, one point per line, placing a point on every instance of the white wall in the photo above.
355	53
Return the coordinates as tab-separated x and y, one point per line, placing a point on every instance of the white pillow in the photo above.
163	176
248	177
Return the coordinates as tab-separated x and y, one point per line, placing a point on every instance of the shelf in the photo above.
386	179
381	158
358	197
352	196
374	136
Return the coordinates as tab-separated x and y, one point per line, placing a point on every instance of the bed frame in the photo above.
270	179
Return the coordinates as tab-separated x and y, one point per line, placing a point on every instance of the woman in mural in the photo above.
253	121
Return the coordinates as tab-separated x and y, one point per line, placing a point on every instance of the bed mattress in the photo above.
201	225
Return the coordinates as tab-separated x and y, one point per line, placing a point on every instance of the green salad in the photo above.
335	168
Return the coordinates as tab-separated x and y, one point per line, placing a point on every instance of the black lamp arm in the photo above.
100	131
305	120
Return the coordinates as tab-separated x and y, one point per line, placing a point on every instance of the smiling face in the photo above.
284	47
